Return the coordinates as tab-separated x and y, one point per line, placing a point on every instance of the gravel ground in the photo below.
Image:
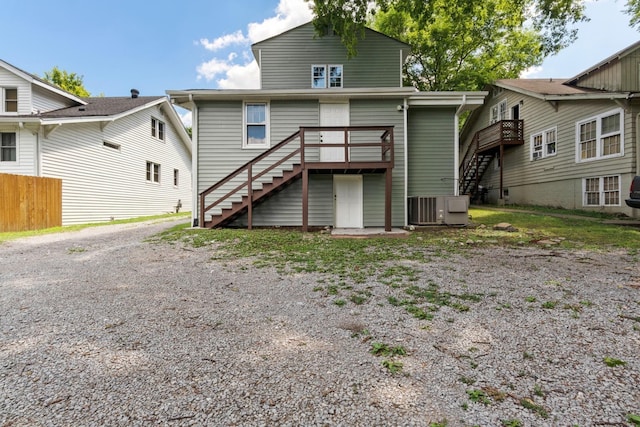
100	327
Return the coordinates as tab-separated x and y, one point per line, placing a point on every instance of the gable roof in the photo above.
33	79
104	107
613	58
556	89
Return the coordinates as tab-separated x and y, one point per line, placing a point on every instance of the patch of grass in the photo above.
612	362
467	380
537	390
478	396
512	423
392	366
532	406
549	305
530	299
340	302
634	419
442	423
75	250
382	349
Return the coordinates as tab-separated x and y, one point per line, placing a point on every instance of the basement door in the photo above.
333	114
347	190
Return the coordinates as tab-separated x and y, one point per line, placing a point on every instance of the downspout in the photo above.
194	165
405	113
456	147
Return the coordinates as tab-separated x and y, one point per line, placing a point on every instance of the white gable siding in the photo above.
10	80
26	142
47	101
101	183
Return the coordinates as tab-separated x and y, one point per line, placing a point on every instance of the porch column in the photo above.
387	199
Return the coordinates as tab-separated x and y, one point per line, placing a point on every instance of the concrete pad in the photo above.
361	233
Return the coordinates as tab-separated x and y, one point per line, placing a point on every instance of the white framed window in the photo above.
543	144
600	137
601	191
326	76
498	112
10	100
256	125
153	172
176	176
8	147
157	129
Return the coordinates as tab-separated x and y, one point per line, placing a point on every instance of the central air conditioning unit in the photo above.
439	210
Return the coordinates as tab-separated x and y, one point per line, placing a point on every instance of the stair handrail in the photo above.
248	166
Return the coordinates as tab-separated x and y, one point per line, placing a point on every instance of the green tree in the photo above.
71	82
461	44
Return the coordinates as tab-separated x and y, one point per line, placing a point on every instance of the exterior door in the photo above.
333	114
347	190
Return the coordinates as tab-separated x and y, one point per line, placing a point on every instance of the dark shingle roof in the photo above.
545	86
101	107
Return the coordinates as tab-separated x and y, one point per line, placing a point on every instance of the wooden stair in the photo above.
240	207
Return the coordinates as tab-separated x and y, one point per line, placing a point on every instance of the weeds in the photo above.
612	363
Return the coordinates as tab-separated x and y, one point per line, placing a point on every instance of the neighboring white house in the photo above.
118	157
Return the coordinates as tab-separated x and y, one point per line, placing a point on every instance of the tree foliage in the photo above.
463	44
70	82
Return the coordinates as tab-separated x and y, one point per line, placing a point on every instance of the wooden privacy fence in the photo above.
29	202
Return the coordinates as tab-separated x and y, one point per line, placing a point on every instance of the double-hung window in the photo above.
498	112
256	125
157	129
543	144
10	96
600	137
8	147
326	76
601	191
153	172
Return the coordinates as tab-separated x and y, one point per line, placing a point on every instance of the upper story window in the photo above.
498	112
543	144
256	125
10	96
600	137
326	76
157	129
8	147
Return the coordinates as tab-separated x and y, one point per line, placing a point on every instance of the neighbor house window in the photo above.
8	147
600	137
543	144
175	177
111	145
256	125
498	112
157	129
153	172
10	100
602	191
326	76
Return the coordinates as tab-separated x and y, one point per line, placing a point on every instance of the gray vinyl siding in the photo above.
431	151
101	183
555	180
618	76
286	60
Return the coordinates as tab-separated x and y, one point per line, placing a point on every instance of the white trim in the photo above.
267	126
195	211
543	151
499	116
598	119
601	191
405	112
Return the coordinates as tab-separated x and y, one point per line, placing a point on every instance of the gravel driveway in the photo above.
100	327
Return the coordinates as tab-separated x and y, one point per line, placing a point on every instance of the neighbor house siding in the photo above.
286	60
10	80
555	180
26	151
47	101
100	183
430	151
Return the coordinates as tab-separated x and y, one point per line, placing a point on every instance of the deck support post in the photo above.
250	198
305	199
387	199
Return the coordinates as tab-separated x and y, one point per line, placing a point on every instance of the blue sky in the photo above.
117	45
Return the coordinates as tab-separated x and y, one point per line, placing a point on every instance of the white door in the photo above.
332	114
347	190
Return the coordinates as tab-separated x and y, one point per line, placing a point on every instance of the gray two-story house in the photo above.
569	143
327	140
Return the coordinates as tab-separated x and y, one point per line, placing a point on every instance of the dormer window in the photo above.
10	100
326	76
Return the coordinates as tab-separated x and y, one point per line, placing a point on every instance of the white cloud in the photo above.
531	72
224	41
187	119
230	74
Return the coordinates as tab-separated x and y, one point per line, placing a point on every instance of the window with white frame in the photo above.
600	137
601	191
153	172
8	147
543	144
498	112
157	129
176	174
256	125
326	76
10	100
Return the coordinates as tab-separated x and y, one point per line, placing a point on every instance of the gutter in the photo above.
456	146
